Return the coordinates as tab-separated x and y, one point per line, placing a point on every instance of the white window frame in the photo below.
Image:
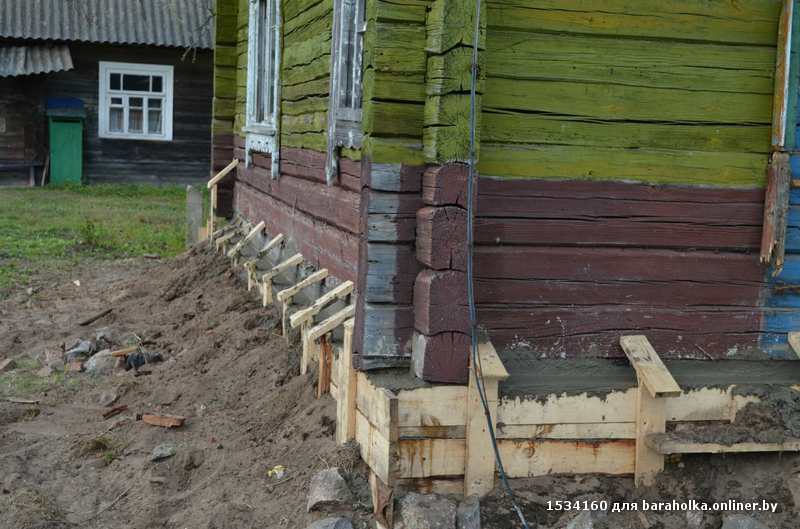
344	122
105	93
262	135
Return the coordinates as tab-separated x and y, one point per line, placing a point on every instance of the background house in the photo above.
138	75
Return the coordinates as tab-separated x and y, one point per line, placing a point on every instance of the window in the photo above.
344	115
135	101
263	79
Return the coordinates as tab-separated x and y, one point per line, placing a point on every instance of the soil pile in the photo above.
225	369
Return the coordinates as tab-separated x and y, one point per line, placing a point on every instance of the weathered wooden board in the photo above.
527	458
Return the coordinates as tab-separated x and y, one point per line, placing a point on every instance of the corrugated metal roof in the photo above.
180	23
27	60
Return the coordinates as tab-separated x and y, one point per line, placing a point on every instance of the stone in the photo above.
694	519
741	521
328	489
101	364
192	459
163	451
426	511
468	513
332	523
586	520
107	398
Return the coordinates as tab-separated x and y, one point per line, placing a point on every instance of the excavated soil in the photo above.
226	369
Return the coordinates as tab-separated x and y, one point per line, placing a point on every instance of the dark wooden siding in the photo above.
186	158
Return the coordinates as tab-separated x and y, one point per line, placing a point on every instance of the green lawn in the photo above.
51	228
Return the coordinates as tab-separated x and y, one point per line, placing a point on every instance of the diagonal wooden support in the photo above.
303	316
222	241
266	279
313	334
247	238
655	383
212	186
285	296
480	463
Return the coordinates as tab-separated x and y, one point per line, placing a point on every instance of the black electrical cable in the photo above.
473	317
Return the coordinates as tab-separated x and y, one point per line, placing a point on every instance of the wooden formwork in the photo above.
434	438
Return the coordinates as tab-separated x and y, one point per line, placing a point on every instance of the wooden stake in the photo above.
325	365
382	502
480	463
348	384
239	245
650	419
340	292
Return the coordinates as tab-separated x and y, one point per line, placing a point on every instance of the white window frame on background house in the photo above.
262	122
142	97
344	110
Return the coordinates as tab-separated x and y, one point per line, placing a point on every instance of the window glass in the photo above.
158	83
136	83
115	81
116	115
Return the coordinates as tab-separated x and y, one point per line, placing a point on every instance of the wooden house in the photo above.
137	74
634	163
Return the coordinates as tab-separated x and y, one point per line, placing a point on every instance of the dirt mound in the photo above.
226	369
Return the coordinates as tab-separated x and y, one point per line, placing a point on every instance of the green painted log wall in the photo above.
394	80
660	91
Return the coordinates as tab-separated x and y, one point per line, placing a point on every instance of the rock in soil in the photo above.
328	489
101	364
332	523
163	451
426	511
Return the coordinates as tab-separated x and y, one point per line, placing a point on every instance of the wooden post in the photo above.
212	186
655	383
194	214
480	463
348	383
325	366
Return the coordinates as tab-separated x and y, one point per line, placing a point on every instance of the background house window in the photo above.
344	122
263	79
135	101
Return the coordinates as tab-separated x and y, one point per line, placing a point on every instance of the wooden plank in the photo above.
665	445
244	240
490	364
649	368
794	342
285	296
423	458
220	243
325	367
331	323
374	403
527	458
347	383
435	406
780	100
650	419
341	291
479	454
220	175
374	447
611	430
273	243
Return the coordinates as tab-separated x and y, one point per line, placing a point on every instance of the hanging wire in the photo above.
477	369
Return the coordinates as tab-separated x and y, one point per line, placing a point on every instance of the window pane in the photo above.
115	116
116	100
347	51
153	103
115	81
137	83
135	120
137	102
154	121
158	84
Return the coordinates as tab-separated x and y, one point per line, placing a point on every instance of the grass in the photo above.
55	228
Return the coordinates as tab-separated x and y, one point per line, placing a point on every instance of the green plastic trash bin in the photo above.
65	123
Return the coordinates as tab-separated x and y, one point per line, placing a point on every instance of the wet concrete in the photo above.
536	378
